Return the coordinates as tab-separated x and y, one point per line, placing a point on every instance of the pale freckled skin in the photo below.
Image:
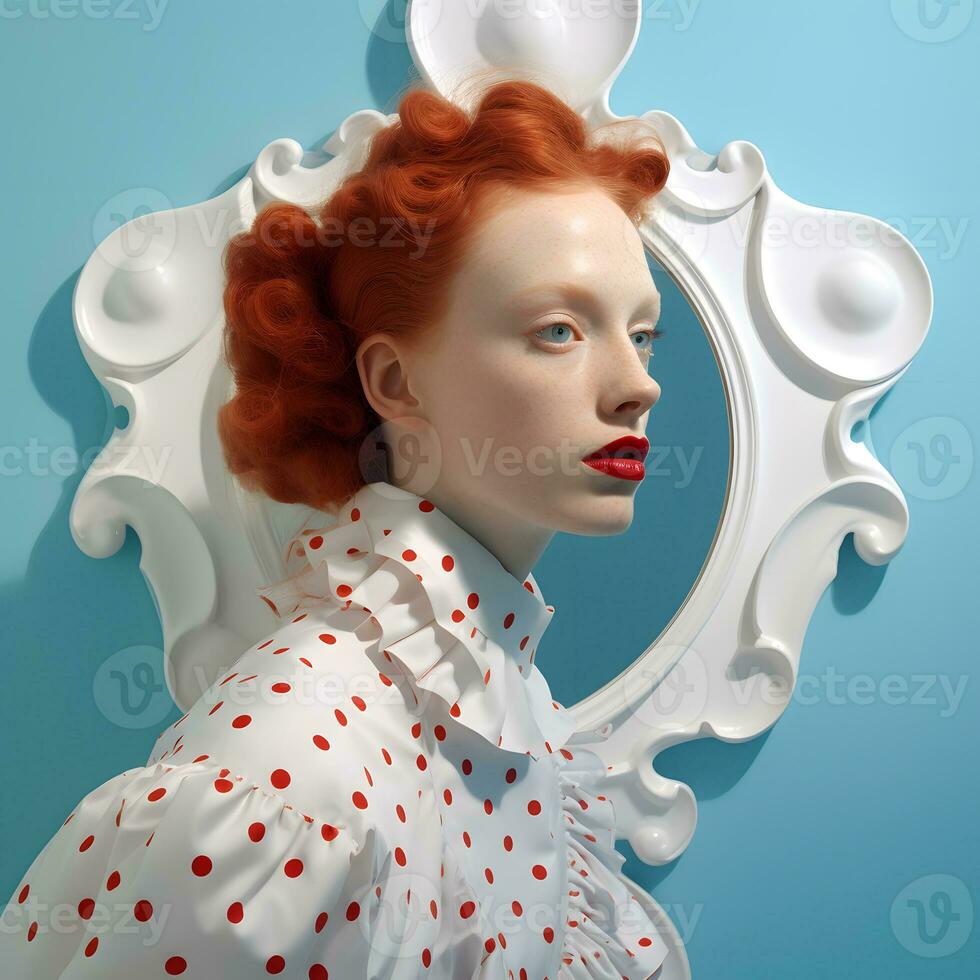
507	415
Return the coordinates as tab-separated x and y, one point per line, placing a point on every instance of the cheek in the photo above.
522	402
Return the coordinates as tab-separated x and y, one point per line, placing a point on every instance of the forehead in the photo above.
524	237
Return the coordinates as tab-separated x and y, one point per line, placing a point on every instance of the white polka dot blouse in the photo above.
381	787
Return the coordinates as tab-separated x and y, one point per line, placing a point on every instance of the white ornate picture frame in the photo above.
813	315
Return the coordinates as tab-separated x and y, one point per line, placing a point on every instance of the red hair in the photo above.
298	301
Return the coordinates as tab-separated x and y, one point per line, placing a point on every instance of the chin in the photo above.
600	514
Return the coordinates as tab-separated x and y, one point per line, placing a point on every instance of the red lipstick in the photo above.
623	457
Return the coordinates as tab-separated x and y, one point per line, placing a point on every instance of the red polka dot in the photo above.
156	794
360	800
316	541
31	932
420	762
409	555
344	590
293	868
142	910
87	843
508	620
467	909
488	806
215	708
473	600
202	865
24	892
328	638
511	775
236	912
549	934
242	721
224	785
355	514
645	941
524	641
400	857
426	506
256	832
329	832
440	732
516	907
534	808
86	907
400	810
275	964
490	945
426	957
488	874
318	972
359	702
341	717
353	911
540	872
175	966
321	743
467	767
447	795
448	563
282	687
112	882
321	921
93	945
280	778
508	843
458	615
467	840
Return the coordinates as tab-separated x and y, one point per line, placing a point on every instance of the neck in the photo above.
516	544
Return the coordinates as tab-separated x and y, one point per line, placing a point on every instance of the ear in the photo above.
382	364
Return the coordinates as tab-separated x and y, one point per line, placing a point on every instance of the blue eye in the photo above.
646	339
559	332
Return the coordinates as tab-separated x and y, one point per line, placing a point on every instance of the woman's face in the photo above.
543	357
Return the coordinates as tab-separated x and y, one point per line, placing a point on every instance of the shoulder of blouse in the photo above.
310	712
269	801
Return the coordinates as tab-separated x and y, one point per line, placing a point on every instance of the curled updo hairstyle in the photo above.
302	290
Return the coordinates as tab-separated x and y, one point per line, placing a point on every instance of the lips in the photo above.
622	458
625	447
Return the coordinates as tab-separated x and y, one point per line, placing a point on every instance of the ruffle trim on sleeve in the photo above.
608	933
220	862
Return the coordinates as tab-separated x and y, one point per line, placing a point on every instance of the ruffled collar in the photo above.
465	628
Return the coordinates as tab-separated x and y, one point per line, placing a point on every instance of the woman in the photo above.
383	786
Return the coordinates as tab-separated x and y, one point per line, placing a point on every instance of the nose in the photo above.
629	388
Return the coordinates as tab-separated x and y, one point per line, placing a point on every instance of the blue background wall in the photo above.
807	836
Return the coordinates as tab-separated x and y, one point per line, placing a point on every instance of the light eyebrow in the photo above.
575	294
572	293
650	304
